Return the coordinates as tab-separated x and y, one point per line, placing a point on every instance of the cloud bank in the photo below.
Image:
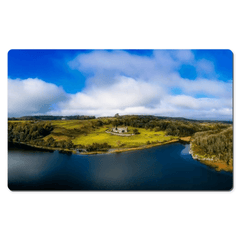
32	96
120	82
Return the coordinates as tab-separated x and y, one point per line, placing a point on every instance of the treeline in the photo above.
218	143
50	142
179	128
28	132
49	117
33	133
97	147
152	117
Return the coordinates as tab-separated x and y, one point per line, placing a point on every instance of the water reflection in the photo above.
186	150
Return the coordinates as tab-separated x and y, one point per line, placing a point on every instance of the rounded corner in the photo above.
9	51
229	50
9	188
231	189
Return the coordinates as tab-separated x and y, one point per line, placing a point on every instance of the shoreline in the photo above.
115	150
211	162
51	149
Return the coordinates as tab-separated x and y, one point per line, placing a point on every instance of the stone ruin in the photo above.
120	129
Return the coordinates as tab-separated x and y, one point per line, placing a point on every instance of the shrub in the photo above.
135	131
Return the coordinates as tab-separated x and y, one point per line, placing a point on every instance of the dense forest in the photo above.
215	143
173	127
33	133
27	132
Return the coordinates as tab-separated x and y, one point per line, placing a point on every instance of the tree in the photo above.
69	144
22	137
135	131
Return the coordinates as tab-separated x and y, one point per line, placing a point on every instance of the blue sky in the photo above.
184	83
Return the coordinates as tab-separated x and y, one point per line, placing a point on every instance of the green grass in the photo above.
69	124
82	132
99	136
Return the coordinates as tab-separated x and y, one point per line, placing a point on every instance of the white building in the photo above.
120	129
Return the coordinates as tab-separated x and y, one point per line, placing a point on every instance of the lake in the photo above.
167	167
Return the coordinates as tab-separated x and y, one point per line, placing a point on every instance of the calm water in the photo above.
168	167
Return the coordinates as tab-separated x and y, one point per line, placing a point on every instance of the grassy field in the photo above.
99	136
83	132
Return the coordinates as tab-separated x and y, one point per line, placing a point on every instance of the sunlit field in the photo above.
71	130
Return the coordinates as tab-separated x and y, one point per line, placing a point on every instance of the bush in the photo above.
98	147
135	131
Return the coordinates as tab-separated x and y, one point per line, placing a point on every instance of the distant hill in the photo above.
83	117
50	117
175	118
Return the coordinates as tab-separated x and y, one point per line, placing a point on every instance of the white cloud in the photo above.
32	96
129	96
161	68
188	102
117	61
106	65
148	89
129	84
185	56
124	93
204	86
205	67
